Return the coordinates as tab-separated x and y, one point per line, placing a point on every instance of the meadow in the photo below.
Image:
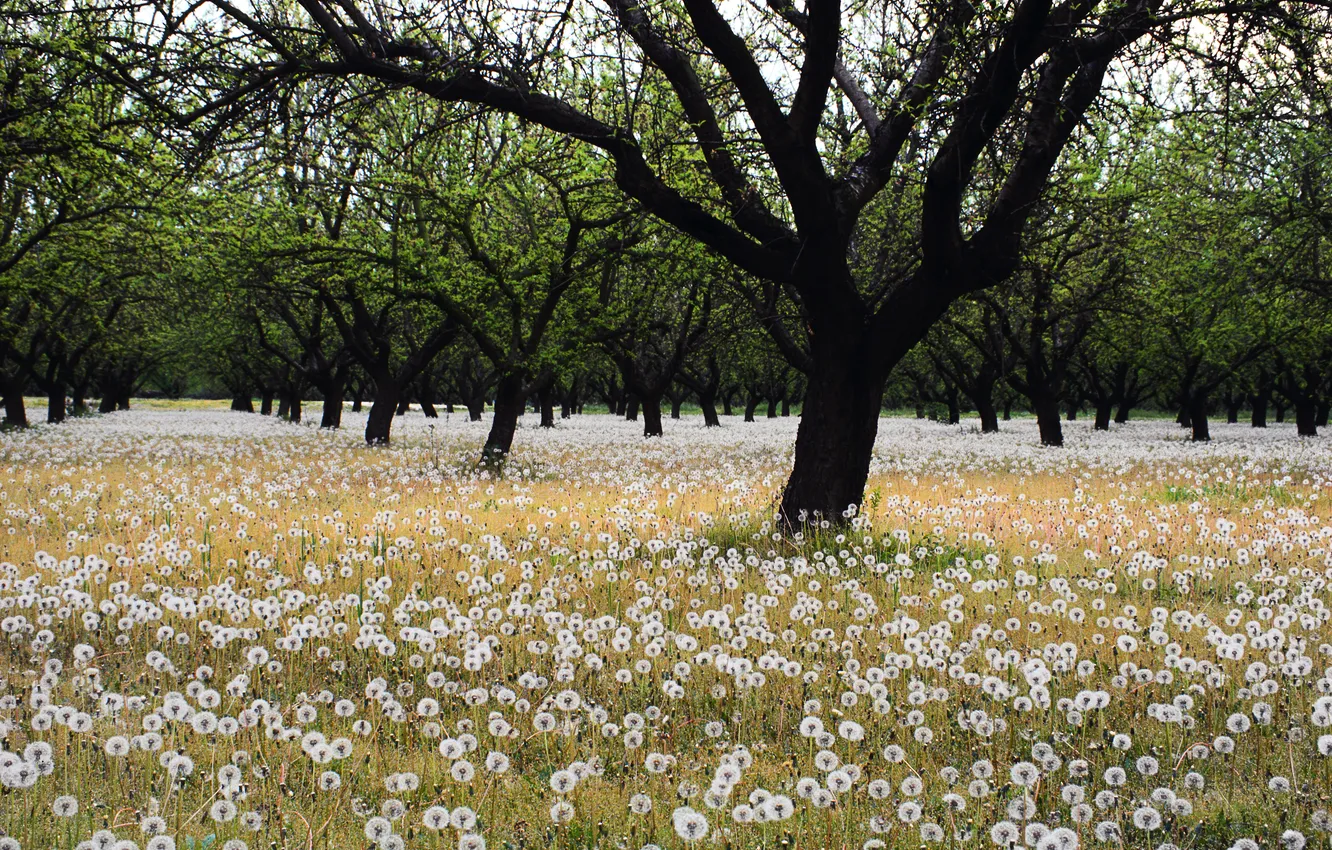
225	631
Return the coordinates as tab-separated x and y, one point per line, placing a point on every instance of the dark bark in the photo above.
835	439
404	404
726	398
772	407
331	415
1072	411
1306	418
1008	409
476	405
751	405
708	402
357	405
1197	414
284	406
426	396
951	398
546	395
510	402
1280	410
294	407
652	416
266	403
1324	407
631	409
1104	408
16	414
242	403
676	400
1259	400
989	417
379	423
55	405
1047	420
1122	412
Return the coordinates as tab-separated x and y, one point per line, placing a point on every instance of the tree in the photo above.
1009	83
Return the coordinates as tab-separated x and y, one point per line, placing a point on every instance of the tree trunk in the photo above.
1306	417
1103	410
1122	414
786	405
510	402
1072	412
652	416
1047	420
547	398
708	401
1197	414
569	401
675	406
123	398
242	403
356	398
427	399
1184	418
954	408
476	405
726	405
1280	410
379	423
78	402
16	415
55	405
751	405
631	409
404	405
1258	403
284	406
1324	407
294	408
835	439
920	409
989	417
1232	411
331	416
266	403
772	407
1008	409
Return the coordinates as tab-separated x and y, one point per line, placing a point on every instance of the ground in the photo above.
223	630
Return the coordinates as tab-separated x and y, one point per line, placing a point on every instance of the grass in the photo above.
263	516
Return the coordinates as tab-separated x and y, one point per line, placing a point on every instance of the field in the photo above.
226	631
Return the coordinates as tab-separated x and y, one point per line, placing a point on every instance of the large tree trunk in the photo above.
676	401
920	409
726	404
510	400
631	410
835	439
652	416
1306	417
294	407
772	407
284	406
1280	410
1008	409
379	424
751	405
266	403
1104	408
242	403
1047	420
123	398
1324	408
55	405
404	404
16	415
331	416
1197	414
1258	403
107	405
1232	410
356	397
